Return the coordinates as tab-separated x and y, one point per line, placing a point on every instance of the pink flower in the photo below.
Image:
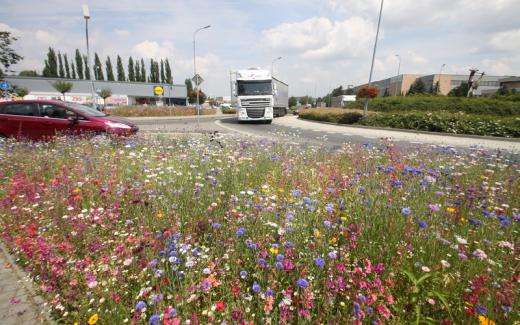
383	311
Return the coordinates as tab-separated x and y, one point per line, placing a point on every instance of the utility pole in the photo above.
365	110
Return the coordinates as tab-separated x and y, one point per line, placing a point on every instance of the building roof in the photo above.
136	89
510	79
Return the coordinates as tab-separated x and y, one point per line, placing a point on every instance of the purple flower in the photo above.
333	255
140	305
261	262
216	225
463	257
156	298
329	207
240	232
481	309
280	257
302	283
278	265
154	319
243	274
269	292
320	262
327	223
434	207
406	211
256	287
422	224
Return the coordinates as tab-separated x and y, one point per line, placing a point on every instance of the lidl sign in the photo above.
158	90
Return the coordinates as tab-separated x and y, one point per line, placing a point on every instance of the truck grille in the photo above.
255	103
255	112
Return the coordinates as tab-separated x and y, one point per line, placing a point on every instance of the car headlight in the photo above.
115	125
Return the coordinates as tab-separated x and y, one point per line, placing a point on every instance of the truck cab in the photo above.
258	96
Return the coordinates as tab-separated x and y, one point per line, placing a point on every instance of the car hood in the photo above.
118	120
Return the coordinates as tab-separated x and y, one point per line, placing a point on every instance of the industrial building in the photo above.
399	85
123	93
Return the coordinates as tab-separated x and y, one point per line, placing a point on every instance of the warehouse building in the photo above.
399	85
123	93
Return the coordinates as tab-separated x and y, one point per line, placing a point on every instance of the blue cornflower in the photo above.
333	255
481	309
154	319
243	274
406	211
302	283
280	257
261	262
269	292
288	244
327	223
140	305
217	225
329	207
256	287
320	262
240	232
422	224
278	265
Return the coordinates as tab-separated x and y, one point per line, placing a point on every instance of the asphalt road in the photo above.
290	128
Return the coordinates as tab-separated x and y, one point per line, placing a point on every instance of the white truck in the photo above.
258	96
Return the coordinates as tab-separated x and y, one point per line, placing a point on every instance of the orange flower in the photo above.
483	320
93	319
450	210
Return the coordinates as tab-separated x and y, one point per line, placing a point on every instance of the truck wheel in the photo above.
268	121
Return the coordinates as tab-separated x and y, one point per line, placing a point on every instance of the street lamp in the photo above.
195	70
398	70
272	64
86	15
440	74
365	110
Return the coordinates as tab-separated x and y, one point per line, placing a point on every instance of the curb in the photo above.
172	117
24	280
481	137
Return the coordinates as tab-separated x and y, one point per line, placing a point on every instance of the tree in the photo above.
79	64
51	64
193	97
67	68
73	70
120	70
436	88
143	71
337	91
131	71
366	91
189	89
163	76
60	64
169	78
418	87
19	91
105	93
110	71
98	68
460	91
62	87
154	71
87	67
137	71
349	91
292	101
28	73
8	56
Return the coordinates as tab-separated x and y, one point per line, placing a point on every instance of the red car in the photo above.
43	119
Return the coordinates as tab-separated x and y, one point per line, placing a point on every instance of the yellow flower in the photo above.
317	233
76	323
273	250
332	240
450	210
281	190
160	215
93	319
483	320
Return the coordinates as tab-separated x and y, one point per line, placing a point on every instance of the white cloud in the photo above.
151	49
45	37
508	40
319	38
121	32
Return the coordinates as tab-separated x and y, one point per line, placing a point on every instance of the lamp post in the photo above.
86	15
440	74
398	71
365	110
272	64
195	70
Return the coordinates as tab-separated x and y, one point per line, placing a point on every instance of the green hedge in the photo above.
472	105
334	115
448	122
229	111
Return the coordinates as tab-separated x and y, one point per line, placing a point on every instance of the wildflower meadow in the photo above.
205	230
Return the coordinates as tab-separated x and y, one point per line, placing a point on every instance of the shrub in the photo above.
334	115
473	105
142	111
368	91
229	110
447	122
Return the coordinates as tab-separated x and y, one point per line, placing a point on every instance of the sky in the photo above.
323	43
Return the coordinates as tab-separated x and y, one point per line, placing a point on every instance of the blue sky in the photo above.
324	43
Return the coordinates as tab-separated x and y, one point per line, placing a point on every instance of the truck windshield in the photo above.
261	87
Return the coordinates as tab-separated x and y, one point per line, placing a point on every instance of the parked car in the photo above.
43	119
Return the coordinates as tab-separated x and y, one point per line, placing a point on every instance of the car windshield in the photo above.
261	87
86	110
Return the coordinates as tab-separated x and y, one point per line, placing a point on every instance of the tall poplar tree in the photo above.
131	69
67	68
79	64
120	70
98	68
163	76
61	71
73	70
169	78
110	71
143	71
87	67
137	71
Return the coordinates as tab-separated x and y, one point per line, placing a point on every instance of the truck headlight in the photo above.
242	112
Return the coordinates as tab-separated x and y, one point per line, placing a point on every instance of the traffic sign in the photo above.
4	85
158	90
197	79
